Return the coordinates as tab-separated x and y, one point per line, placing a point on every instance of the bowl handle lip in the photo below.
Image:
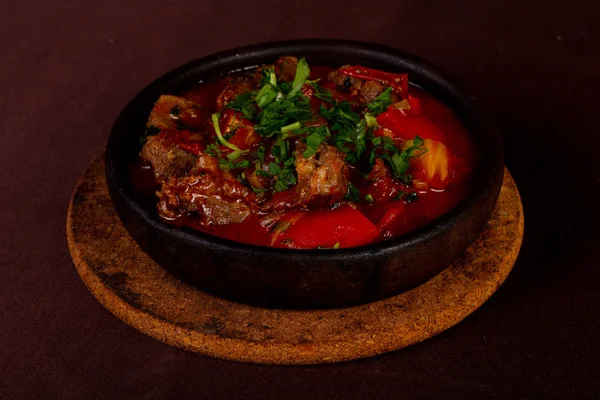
116	179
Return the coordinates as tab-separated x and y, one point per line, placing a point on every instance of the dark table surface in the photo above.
68	67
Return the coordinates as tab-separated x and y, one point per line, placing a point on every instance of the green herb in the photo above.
269	92
284	87
352	141
335	246
291	127
266	95
411	197
236	150
341	116
226	165
289	161
322	94
281	113
302	72
242	178
245	104
274	168
260	154
399	162
280	151
285	179
371	121
399	195
381	102
313	141
352	194
369	199
213	149
266	174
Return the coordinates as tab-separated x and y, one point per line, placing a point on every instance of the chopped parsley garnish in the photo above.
411	197
322	94
268	93
260	154
284	179
302	72
236	150
313	141
381	102
341	116
242	178
371	120
369	198
245	104
282	113
226	165
400	161
353	194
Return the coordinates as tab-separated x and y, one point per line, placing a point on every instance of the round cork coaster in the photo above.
131	286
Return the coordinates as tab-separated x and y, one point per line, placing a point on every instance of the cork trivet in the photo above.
131	286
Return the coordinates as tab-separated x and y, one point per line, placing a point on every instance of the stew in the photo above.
304	157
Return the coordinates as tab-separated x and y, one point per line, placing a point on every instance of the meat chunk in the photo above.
166	158
322	178
173	112
216	201
236	86
369	91
286	68
366	91
345	81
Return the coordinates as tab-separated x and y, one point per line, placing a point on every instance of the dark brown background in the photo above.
66	70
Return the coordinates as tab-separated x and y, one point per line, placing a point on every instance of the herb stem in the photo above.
291	127
215	121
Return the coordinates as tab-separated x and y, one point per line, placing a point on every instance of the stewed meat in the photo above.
322	178
236	86
216	201
174	112
166	159
286	68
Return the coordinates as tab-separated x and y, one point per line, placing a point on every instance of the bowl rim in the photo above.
439	226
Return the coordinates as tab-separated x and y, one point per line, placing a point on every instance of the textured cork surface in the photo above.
130	285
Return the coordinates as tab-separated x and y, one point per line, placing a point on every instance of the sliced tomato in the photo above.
344	225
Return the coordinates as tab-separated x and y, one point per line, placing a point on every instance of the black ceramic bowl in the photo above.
305	278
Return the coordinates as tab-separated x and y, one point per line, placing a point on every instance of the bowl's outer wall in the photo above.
309	278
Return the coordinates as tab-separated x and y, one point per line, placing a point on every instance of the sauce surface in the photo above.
333	198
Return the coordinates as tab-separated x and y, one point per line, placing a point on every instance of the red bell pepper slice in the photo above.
344	225
392	214
398	82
